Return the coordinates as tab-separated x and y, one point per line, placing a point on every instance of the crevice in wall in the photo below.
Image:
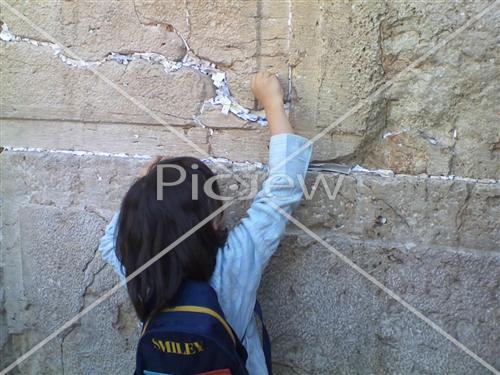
459	221
356	170
289	42
222	98
63	337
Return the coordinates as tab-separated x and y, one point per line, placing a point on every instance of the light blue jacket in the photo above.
250	244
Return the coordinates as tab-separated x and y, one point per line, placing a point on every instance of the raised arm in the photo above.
251	243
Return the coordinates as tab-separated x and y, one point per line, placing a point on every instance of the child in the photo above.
232	263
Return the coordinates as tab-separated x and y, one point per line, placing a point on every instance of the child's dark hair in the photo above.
148	225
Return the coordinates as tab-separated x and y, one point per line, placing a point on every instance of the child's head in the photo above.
148	225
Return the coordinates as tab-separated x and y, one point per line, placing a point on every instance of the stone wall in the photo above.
78	122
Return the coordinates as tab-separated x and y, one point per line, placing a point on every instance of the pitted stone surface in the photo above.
446	268
326	319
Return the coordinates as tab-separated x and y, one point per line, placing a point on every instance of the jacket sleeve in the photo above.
107	246
250	244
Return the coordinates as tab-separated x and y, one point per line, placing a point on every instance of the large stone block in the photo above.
60	92
336	63
324	318
54	273
240	37
91	29
440	116
251	146
436	119
111	138
406	209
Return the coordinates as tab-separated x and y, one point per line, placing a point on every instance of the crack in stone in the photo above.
459	220
222	98
63	337
87	264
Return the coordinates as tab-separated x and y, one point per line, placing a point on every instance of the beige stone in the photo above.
336	64
450	98
439	119
105	138
240	145
57	91
212	117
93	29
239	36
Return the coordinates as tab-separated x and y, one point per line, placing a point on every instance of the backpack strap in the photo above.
204	310
206	303
266	341
196	309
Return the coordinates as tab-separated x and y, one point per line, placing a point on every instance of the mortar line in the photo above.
382	173
190	60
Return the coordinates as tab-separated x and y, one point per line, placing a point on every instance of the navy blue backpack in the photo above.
193	337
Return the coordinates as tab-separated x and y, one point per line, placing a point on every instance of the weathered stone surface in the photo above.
408	209
209	29
113	138
336	64
251	145
438	119
433	241
92	30
57	91
60	274
442	111
324	318
212	117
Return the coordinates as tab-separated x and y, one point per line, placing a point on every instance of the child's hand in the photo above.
267	89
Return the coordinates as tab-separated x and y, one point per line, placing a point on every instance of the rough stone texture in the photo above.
442	111
133	139
433	240
438	119
209	29
73	276
57	91
94	29
338	323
